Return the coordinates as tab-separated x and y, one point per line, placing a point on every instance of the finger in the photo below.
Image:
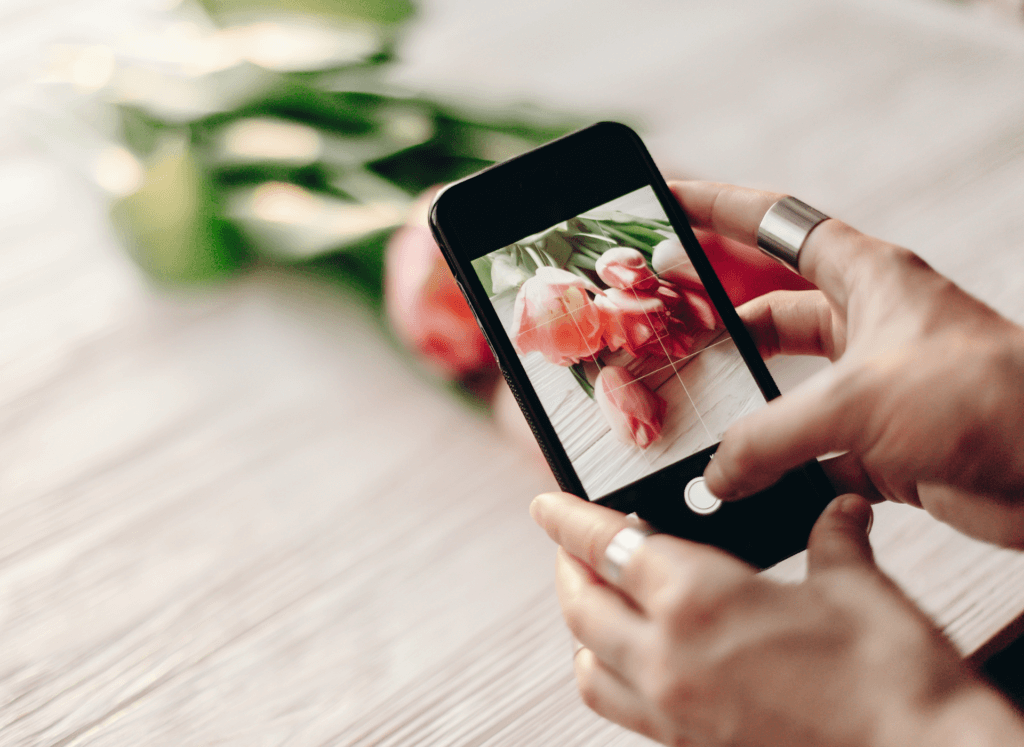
840	535
732	212
585	529
847	475
612	698
987	519
745	271
790	323
597	615
828	256
820	416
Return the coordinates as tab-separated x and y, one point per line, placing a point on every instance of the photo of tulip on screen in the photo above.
628	355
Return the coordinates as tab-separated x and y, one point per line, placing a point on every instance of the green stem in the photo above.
581	378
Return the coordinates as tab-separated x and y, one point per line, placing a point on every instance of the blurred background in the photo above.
251	490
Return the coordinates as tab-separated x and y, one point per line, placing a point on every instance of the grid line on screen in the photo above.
679	378
643	452
671	307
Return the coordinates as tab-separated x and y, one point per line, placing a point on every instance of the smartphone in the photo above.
617	338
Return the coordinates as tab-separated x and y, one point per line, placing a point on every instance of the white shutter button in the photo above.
699	499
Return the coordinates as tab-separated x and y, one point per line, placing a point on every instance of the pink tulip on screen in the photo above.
622	267
672	263
555	316
632	321
689	305
668	321
635	413
426	307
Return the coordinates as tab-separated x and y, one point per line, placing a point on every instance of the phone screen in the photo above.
620	340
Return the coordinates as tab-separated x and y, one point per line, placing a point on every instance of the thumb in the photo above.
840	535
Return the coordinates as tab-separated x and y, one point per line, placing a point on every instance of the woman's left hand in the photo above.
691	646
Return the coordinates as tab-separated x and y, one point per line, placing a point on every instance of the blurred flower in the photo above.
555	316
623	267
634	412
745	272
425	305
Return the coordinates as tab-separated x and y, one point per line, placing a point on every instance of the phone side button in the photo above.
699	499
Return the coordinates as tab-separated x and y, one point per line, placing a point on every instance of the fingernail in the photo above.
724	495
854	507
712	476
849	506
537	506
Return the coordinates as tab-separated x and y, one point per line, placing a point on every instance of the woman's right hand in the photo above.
926	393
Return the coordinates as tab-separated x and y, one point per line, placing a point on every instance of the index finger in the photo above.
730	211
737	212
585	530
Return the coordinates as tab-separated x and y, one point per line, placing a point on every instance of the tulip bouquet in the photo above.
233	134
612	297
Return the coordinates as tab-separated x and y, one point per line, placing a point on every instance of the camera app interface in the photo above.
625	350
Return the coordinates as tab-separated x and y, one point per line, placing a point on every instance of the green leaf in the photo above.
596	237
642	233
482	265
523	259
582	261
557	248
588	245
579	373
376	11
173	225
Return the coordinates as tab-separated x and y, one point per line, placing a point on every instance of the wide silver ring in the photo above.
785	228
620	551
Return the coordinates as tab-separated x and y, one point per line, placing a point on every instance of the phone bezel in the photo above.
532	192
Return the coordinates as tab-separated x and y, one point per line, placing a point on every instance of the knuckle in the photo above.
586	684
735	455
675	694
685	606
595	540
576	620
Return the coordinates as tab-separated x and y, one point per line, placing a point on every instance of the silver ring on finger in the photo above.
785	228
620	551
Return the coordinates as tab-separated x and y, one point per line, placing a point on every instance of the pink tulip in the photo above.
667	322
632	321
555	316
635	413
689	305
622	268
672	263
427	310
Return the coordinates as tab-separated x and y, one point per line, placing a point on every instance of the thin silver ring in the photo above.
621	549
785	227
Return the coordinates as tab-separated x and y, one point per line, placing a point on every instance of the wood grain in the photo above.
238	515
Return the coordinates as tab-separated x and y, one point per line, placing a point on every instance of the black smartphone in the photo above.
617	338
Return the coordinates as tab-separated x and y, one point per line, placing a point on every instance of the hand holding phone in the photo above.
617	338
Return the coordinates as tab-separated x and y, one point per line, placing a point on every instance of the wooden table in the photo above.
237	515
